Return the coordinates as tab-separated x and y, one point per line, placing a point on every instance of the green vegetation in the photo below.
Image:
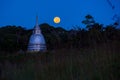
15	38
98	63
92	53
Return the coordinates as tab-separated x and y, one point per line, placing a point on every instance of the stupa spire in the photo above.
37	28
37	21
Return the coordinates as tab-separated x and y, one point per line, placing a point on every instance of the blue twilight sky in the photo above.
72	12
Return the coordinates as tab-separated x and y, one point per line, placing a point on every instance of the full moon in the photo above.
56	19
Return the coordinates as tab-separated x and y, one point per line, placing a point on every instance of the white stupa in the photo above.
36	41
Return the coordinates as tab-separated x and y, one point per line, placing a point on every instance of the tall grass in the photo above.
95	63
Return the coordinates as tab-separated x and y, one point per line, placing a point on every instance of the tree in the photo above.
89	21
11	38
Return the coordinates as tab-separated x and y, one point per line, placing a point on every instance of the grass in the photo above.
96	63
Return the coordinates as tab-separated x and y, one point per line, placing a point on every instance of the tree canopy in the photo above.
15	38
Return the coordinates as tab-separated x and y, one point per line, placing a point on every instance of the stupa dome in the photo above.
37	39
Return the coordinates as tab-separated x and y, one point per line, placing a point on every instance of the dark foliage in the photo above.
78	54
15	38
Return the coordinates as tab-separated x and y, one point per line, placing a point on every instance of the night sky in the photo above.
72	12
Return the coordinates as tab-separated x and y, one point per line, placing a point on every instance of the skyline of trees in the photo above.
15	38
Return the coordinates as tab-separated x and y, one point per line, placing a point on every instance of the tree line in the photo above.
15	38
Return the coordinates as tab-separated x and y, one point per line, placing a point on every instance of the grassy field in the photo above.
95	63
